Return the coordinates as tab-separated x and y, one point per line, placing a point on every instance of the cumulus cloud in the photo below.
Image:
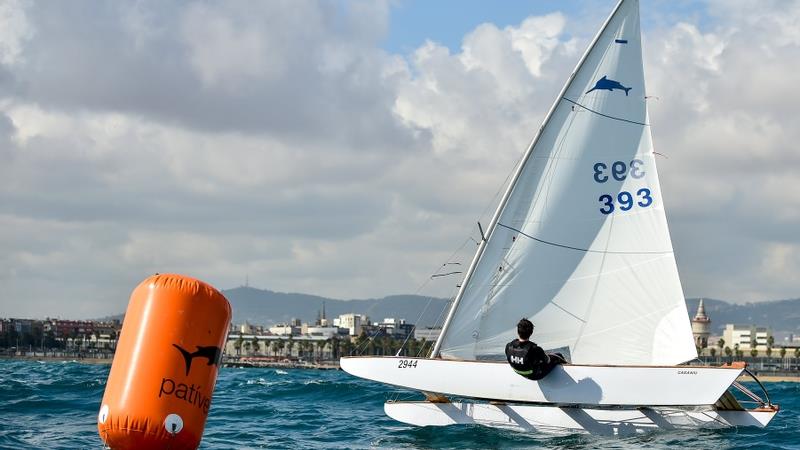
279	141
726	121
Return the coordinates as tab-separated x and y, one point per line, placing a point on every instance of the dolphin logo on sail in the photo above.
212	354
605	84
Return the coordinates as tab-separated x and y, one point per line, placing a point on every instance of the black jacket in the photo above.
528	359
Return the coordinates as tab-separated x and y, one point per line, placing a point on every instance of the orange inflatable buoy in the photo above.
159	389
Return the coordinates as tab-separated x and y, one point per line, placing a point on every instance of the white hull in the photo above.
566	385
554	419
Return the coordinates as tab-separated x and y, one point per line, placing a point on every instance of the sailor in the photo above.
527	358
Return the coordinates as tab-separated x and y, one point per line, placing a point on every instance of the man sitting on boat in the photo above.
527	358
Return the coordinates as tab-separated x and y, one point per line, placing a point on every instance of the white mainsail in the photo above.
580	243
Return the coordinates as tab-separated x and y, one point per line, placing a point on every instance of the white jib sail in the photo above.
581	246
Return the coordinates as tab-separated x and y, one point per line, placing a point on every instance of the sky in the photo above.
347	148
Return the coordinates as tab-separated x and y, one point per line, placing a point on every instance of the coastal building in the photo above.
397	328
284	329
745	335
762	335
251	345
350	321
323	331
737	335
428	333
72	328
701	326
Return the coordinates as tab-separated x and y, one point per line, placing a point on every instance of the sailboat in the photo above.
579	244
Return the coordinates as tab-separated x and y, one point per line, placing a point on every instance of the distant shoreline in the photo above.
772	378
329	365
59	358
765	378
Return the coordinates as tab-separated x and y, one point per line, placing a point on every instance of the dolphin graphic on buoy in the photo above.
604	84
212	354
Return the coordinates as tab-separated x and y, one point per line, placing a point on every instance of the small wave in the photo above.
281	372
265	382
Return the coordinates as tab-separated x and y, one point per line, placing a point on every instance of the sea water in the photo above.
55	405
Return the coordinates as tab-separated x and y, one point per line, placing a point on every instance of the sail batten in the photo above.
580	243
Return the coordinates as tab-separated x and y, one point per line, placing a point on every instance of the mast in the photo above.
512	183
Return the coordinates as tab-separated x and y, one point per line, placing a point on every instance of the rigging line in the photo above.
430	298
577	248
444	274
561	308
605	115
438	322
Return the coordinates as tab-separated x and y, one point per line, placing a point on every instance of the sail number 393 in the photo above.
619	171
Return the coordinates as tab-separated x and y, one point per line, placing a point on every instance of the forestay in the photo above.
581	245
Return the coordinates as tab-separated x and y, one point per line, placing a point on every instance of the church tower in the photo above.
701	326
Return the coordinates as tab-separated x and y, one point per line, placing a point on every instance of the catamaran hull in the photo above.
557	420
566	385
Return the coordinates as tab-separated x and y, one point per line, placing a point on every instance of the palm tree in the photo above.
388	345
412	347
770	343
335	345
361	341
797	352
783	352
274	347
346	347
321	348
713	351
256	345
113	340
753	352
721	344
281	344
94	340
425	348
290	345
237	345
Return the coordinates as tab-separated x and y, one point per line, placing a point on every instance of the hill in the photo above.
265	307
260	306
780	315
